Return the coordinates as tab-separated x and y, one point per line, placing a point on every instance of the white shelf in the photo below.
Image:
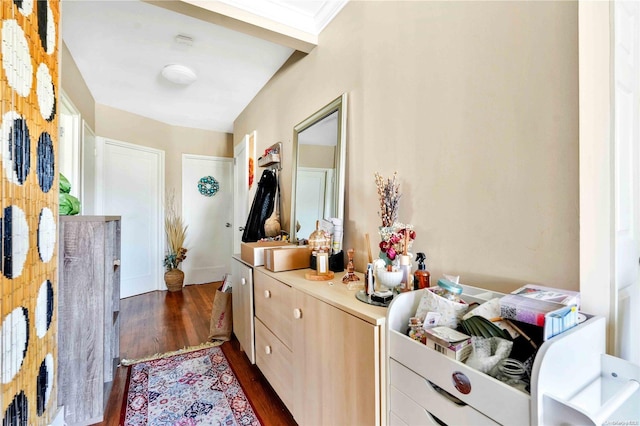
611	397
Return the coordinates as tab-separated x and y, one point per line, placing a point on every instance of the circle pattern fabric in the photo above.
17	413
15	339
46	234
208	186
44	383
16	59
15	241
44	308
16	147
45	92
46	162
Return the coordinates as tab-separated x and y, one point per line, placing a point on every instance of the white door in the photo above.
131	185
240	190
310	199
627	179
208	217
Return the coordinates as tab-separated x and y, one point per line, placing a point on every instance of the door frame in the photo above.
597	160
100	180
68	108
237	182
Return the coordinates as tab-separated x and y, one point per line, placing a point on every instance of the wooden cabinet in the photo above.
337	365
320	348
242	306
88	314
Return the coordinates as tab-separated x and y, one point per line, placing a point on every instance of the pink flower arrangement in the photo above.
393	239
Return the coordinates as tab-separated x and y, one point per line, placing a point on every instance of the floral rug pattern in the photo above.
194	388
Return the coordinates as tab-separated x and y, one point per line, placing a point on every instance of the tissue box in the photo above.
287	258
253	253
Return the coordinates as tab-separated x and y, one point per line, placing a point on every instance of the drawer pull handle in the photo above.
267	350
446	394
243	281
267	294
297	313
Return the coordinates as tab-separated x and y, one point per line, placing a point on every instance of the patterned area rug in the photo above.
185	389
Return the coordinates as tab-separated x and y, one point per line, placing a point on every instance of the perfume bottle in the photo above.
422	277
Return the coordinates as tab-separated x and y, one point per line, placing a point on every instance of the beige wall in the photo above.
475	105
75	87
319	156
127	127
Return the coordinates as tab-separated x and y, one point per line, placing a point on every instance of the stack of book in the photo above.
556	310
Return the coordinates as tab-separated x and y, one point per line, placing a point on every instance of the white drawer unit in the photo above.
573	381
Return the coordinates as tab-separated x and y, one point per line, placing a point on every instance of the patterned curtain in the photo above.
29	85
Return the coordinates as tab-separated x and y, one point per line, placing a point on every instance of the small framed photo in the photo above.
322	263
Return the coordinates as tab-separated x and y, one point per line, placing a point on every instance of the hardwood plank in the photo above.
162	321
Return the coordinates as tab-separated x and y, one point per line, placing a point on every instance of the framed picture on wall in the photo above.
252	157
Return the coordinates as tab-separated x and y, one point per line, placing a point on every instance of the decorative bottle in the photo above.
422	277
407	277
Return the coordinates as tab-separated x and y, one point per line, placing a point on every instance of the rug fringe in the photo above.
126	362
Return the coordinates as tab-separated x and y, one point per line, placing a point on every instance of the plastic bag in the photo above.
69	205
65	185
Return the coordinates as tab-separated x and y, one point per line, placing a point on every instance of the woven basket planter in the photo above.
174	279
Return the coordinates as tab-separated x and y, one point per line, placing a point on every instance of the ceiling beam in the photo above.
240	20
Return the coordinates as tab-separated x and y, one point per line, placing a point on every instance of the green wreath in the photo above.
208	186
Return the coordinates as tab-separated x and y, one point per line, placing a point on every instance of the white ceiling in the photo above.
121	47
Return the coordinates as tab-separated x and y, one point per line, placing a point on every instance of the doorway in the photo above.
130	184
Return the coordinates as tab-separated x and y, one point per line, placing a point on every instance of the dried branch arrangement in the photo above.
389	194
176	232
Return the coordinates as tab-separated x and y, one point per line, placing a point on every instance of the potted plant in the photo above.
176	232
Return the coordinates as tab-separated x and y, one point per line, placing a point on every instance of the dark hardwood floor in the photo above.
161	321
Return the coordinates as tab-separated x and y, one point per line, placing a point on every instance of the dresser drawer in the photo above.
436	402
274	306
496	400
275	361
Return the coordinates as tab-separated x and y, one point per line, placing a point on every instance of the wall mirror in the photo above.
318	175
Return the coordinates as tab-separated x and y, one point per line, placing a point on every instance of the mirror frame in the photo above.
340	105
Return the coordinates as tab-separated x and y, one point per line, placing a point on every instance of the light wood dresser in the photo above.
320	348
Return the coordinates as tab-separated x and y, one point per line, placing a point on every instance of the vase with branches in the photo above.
176	233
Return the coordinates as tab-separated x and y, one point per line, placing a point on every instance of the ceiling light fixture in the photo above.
179	74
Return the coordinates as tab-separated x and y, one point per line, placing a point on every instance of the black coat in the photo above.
262	207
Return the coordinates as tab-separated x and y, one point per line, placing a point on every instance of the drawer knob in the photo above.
116	262
267	350
267	294
297	313
243	281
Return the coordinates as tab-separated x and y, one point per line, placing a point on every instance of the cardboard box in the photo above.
449	342
253	253
287	258
459	352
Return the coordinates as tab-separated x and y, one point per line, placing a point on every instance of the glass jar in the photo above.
449	290
512	372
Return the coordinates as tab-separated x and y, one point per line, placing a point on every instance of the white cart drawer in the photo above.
405	411
494	399
435	403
